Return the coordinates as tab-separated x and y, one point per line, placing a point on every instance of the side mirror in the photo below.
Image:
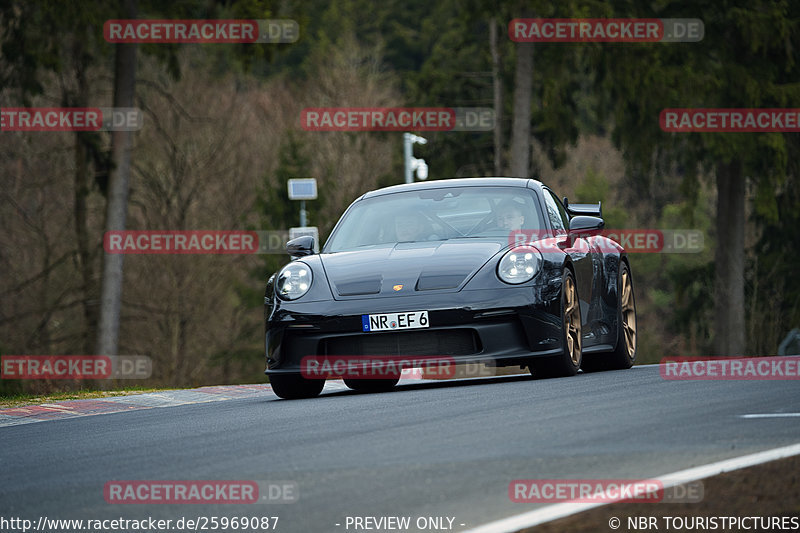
301	246
585	224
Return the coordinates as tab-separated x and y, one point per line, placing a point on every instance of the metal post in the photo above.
303	213
407	157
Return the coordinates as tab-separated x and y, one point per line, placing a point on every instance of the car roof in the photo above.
456	182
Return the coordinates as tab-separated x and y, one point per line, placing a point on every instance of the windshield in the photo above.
434	215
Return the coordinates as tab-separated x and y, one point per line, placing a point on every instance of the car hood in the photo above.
406	268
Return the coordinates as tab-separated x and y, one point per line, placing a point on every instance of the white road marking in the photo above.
771	415
561	510
55	406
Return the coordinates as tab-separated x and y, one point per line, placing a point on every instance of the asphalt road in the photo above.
425	450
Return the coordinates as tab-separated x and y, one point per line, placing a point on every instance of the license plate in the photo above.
395	321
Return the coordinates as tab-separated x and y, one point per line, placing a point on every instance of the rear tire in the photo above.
624	354
372	385
569	361
295	386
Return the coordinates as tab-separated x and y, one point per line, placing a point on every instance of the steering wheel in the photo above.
482	225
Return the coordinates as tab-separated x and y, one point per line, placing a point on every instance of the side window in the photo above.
561	210
555	211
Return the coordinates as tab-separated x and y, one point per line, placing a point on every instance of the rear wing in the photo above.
592	210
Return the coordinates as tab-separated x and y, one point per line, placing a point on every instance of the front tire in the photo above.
569	361
624	354
295	386
372	385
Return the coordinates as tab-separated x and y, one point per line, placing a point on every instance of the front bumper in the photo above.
501	327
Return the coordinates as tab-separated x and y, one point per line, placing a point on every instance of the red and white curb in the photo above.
28	414
14	416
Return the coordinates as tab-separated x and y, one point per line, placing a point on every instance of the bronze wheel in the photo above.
624	354
572	320
569	361
628	312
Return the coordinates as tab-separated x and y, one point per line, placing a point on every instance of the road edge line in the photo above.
562	510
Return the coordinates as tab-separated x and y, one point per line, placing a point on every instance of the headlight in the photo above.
519	265
294	280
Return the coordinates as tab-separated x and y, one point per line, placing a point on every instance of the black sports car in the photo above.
490	270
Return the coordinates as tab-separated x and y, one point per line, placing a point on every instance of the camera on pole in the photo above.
412	163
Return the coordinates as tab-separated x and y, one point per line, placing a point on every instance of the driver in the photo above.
510	215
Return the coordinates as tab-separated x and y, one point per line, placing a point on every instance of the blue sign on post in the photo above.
303	189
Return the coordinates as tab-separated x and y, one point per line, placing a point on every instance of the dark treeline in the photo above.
222	134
